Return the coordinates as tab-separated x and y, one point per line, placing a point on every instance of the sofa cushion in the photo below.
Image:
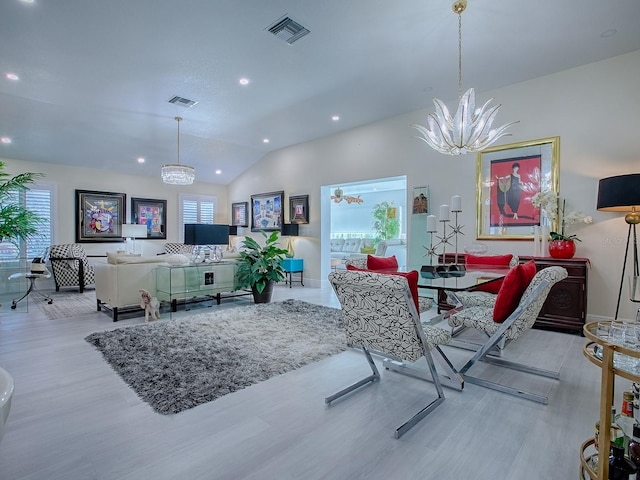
119	259
513	286
336	244
351	245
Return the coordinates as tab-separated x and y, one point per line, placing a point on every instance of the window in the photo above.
196	209
38	199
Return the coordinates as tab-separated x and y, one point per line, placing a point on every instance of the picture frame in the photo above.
267	211
239	216
420	200
507	177
99	216
152	213
299	209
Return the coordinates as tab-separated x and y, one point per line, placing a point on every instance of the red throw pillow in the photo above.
412	280
488	260
382	263
513	286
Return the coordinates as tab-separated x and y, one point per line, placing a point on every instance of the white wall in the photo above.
68	179
592	108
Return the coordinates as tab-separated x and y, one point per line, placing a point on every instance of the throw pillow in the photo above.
412	280
513	286
488	260
382	263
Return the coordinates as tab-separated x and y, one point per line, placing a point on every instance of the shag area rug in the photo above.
68	304
175	365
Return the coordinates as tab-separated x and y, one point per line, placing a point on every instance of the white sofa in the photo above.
118	284
345	248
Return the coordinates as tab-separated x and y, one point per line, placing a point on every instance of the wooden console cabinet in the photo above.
565	309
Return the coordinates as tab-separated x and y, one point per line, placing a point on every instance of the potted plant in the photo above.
16	221
259	267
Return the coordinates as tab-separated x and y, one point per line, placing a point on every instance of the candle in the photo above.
444	213
432	223
536	241
456	203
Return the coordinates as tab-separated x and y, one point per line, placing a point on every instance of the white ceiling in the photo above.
96	75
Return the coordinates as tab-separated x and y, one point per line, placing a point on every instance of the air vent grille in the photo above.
288	30
183	102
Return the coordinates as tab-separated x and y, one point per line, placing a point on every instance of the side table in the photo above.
291	266
32	277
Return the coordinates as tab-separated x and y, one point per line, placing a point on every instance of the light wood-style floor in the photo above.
73	418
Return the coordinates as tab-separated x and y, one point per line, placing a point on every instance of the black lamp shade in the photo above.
619	194
290	229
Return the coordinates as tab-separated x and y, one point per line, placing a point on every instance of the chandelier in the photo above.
174	173
469	130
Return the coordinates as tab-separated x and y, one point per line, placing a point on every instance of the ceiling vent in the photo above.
288	30
183	102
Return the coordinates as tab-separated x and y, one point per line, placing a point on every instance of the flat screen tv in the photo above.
206	234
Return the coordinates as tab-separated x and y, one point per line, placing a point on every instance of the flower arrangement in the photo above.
549	201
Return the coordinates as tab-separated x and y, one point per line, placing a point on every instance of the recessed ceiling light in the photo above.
265	140
27	1
335	118
244	81
218	172
12	76
5	140
140	160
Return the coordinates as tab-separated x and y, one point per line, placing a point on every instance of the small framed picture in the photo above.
420	200
99	216
153	214
239	217
299	209
267	212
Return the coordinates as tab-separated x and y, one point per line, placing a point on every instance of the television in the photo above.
206	234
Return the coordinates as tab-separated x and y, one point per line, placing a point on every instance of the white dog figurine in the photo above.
150	304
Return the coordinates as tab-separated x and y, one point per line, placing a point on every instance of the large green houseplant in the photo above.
16	221
259	267
386	224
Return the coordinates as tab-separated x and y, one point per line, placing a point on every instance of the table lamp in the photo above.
131	231
290	230
622	194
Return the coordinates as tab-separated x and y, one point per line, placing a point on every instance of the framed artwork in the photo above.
239	215
99	216
267	212
507	177
420	200
153	214
299	209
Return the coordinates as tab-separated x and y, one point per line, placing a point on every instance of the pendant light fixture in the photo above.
469	130
175	173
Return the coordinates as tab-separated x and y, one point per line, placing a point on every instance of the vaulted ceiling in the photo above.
95	76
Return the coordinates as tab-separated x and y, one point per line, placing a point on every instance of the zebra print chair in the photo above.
70	266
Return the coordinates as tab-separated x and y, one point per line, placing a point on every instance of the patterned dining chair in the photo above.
70	266
380	316
501	331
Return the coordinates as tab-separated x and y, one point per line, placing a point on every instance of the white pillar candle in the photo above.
544	248
432	223
536	241
444	213
456	203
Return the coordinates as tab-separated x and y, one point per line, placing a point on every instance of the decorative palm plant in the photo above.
386	224
16	221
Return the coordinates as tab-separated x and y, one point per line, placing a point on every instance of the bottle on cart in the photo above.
617	435
619	467
634	448
627	404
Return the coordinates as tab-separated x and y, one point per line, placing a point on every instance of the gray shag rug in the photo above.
175	365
